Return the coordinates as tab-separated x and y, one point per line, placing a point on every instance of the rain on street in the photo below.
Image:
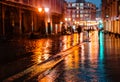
68	58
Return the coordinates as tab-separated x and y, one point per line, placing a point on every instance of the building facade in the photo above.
55	14
111	16
19	17
81	12
99	18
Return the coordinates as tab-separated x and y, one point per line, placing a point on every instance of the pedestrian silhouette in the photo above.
79	29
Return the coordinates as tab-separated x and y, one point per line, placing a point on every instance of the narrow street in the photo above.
59	40
68	58
29	54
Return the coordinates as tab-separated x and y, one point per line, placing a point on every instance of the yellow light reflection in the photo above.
82	54
71	62
66	42
41	52
94	47
75	39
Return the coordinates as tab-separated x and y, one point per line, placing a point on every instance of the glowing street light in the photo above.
65	19
40	9
46	9
45	12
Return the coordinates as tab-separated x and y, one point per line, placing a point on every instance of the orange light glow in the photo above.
40	9
65	19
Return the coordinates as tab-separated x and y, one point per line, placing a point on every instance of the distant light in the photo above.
107	16
74	27
69	19
61	22
46	9
117	18
75	22
100	21
65	19
40	9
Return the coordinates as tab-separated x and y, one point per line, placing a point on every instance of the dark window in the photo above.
26	1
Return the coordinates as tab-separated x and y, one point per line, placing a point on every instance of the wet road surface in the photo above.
67	58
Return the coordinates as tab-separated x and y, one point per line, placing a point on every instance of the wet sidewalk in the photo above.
26	53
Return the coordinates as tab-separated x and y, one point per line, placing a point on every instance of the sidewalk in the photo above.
15	48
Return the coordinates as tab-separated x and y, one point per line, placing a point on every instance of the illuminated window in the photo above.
69	5
88	4
81	15
77	16
77	11
73	5
81	11
81	4
81	7
77	7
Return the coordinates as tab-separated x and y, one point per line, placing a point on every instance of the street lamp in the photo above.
69	19
45	11
40	9
65	19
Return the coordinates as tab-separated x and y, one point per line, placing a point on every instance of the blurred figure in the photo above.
63	29
79	29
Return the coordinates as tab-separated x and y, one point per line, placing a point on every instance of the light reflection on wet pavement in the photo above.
89	63
64	59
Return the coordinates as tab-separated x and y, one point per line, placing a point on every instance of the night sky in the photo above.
97	2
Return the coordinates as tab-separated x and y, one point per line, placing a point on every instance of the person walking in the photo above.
79	29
